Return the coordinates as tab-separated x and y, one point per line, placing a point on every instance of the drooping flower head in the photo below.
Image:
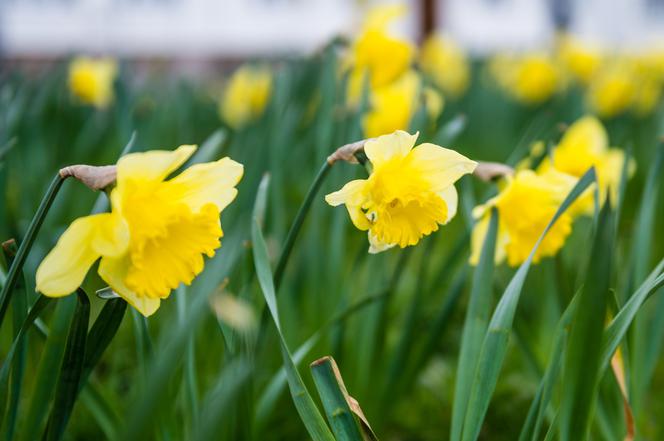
525	206
156	235
409	193
531	78
585	144
246	95
377	53
91	80
446	63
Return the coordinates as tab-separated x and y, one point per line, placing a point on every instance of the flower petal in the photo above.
376	246
154	165
440	166
65	267
353	196
114	271
211	182
383	148
451	198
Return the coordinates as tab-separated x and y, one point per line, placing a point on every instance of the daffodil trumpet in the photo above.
157	232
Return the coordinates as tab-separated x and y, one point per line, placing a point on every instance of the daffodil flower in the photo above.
91	80
156	235
409	193
531	78
525	206
613	89
393	106
585	144
446	63
246	95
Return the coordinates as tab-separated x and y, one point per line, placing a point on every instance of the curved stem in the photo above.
27	242
297	223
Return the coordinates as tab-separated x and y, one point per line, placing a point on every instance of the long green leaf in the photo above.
334	397
304	404
474	327
582	357
71	370
495	342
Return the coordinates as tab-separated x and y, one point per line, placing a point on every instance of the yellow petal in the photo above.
384	148
353	195
212	182
154	165
451	198
376	245
440	166
65	267
114	271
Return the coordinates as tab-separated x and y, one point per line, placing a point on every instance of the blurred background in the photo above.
232	29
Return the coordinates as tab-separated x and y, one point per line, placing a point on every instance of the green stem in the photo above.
26	244
297	223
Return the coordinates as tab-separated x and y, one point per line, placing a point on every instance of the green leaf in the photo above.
495	342
449	131
306	408
474	327
210	149
71	370
334	397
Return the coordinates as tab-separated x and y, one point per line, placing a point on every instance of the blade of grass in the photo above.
474	327
583	354
334	397
495	342
70	370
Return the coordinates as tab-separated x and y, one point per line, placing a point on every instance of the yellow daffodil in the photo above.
409	193
446	63
585	144
531	78
246	95
91	80
392	106
525	206
434	102
156	234
378	54
612	91
582	60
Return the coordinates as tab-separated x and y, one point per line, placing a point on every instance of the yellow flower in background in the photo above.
612	91
91	80
434	102
246	95
586	144
156	234
446	63
409	193
647	96
531	78
581	59
377	54
525	206
392	106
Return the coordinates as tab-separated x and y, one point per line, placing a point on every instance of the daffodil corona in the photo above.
525	206
156	234
409	193
91	80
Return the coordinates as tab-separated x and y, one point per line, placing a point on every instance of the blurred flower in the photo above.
585	144
434	102
156	234
580	59
612	90
392	106
377	54
408	194
531	78
246	95
525	206
446	64
91	80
